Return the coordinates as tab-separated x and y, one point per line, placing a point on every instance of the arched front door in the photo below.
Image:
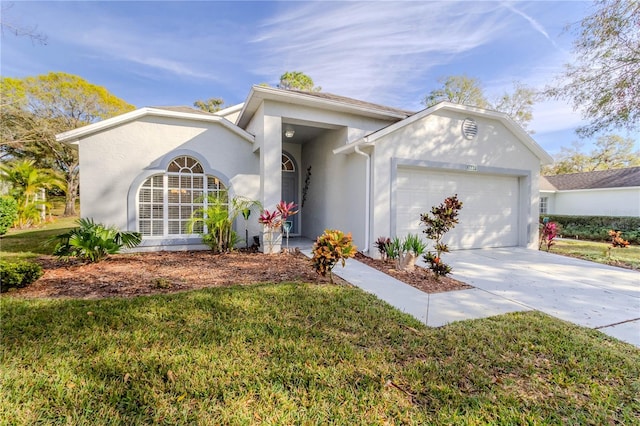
290	187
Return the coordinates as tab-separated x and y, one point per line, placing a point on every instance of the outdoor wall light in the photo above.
289	133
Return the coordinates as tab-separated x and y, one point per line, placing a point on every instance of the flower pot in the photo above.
271	242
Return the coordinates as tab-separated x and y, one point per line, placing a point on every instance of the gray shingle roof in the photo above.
185	109
355	102
618	178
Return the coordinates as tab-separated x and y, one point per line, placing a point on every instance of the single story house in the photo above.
355	166
600	193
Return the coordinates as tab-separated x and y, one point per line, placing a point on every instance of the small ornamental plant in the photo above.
382	245
92	242
275	220
617	240
330	248
548	234
437	223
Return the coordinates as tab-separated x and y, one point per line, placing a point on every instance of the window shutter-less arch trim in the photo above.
167	201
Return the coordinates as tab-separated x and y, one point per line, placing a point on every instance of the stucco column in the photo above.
271	171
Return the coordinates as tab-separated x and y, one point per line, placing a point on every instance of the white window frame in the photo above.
544	205
206	191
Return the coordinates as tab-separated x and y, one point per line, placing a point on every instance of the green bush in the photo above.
93	242
18	274
596	228
330	248
8	213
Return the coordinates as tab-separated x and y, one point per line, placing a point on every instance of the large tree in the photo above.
465	90
35	109
603	79
610	152
297	80
459	89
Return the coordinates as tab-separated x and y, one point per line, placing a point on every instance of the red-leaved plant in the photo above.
274	220
548	234
438	222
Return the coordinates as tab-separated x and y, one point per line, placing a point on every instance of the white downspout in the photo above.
367	215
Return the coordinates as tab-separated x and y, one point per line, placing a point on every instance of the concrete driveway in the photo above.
585	293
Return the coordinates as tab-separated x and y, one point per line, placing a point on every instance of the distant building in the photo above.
600	193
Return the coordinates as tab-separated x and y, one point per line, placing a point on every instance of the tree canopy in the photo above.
603	79
465	90
297	80
35	109
610	152
459	89
210	105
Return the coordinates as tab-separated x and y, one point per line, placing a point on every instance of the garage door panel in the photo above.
489	217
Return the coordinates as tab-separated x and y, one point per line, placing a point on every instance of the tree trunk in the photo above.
71	194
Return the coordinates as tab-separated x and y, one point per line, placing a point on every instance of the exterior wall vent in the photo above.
469	128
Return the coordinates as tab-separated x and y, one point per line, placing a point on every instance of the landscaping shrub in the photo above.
404	252
438	222
330	248
8	213
92	242
18	274
548	233
382	244
596	228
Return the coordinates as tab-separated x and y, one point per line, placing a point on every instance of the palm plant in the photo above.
26	180
93	242
214	221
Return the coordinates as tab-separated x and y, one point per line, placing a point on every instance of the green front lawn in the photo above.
301	354
21	244
628	257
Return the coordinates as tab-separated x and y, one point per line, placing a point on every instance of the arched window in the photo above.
287	164
167	201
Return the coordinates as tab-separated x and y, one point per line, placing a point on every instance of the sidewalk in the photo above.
435	309
514	279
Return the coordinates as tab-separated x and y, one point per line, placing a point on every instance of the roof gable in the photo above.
258	94
72	137
616	178
523	136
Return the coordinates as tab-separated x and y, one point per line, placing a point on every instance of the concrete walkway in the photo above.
584	293
516	279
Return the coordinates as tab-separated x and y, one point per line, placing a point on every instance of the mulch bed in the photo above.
421	278
136	274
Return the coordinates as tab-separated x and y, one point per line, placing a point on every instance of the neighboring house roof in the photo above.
258	94
528	141
72	137
617	178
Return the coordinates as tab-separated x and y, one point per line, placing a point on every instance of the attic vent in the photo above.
469	128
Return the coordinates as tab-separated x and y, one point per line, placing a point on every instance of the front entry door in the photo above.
290	189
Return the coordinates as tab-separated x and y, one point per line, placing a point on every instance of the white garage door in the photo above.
489	215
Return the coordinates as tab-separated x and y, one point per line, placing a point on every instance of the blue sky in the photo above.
172	53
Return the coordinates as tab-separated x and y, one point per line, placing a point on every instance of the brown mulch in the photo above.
136	274
421	278
129	275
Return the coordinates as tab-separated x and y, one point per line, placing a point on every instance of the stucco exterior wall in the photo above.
336	196
597	202
114	163
436	142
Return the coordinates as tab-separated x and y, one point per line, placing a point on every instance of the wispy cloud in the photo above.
534	24
380	51
147	48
